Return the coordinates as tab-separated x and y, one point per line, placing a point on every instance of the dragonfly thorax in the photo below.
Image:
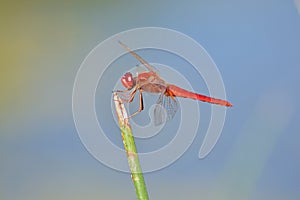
127	80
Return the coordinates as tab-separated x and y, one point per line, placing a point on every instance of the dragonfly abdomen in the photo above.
179	92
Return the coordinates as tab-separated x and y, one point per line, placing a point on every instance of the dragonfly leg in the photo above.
141	108
124	95
122	91
130	98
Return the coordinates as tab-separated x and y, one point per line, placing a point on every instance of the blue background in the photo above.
255	45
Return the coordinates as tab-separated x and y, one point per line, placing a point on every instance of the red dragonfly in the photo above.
151	82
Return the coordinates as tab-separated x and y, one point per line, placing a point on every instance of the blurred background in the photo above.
256	47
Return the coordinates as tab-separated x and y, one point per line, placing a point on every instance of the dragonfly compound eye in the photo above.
127	80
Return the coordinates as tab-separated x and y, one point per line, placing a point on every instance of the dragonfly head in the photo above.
128	81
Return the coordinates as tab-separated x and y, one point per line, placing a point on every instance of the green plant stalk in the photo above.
130	148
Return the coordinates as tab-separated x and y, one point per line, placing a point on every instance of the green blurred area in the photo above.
40	42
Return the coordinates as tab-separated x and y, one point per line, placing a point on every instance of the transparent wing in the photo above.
139	58
165	109
141	69
145	77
